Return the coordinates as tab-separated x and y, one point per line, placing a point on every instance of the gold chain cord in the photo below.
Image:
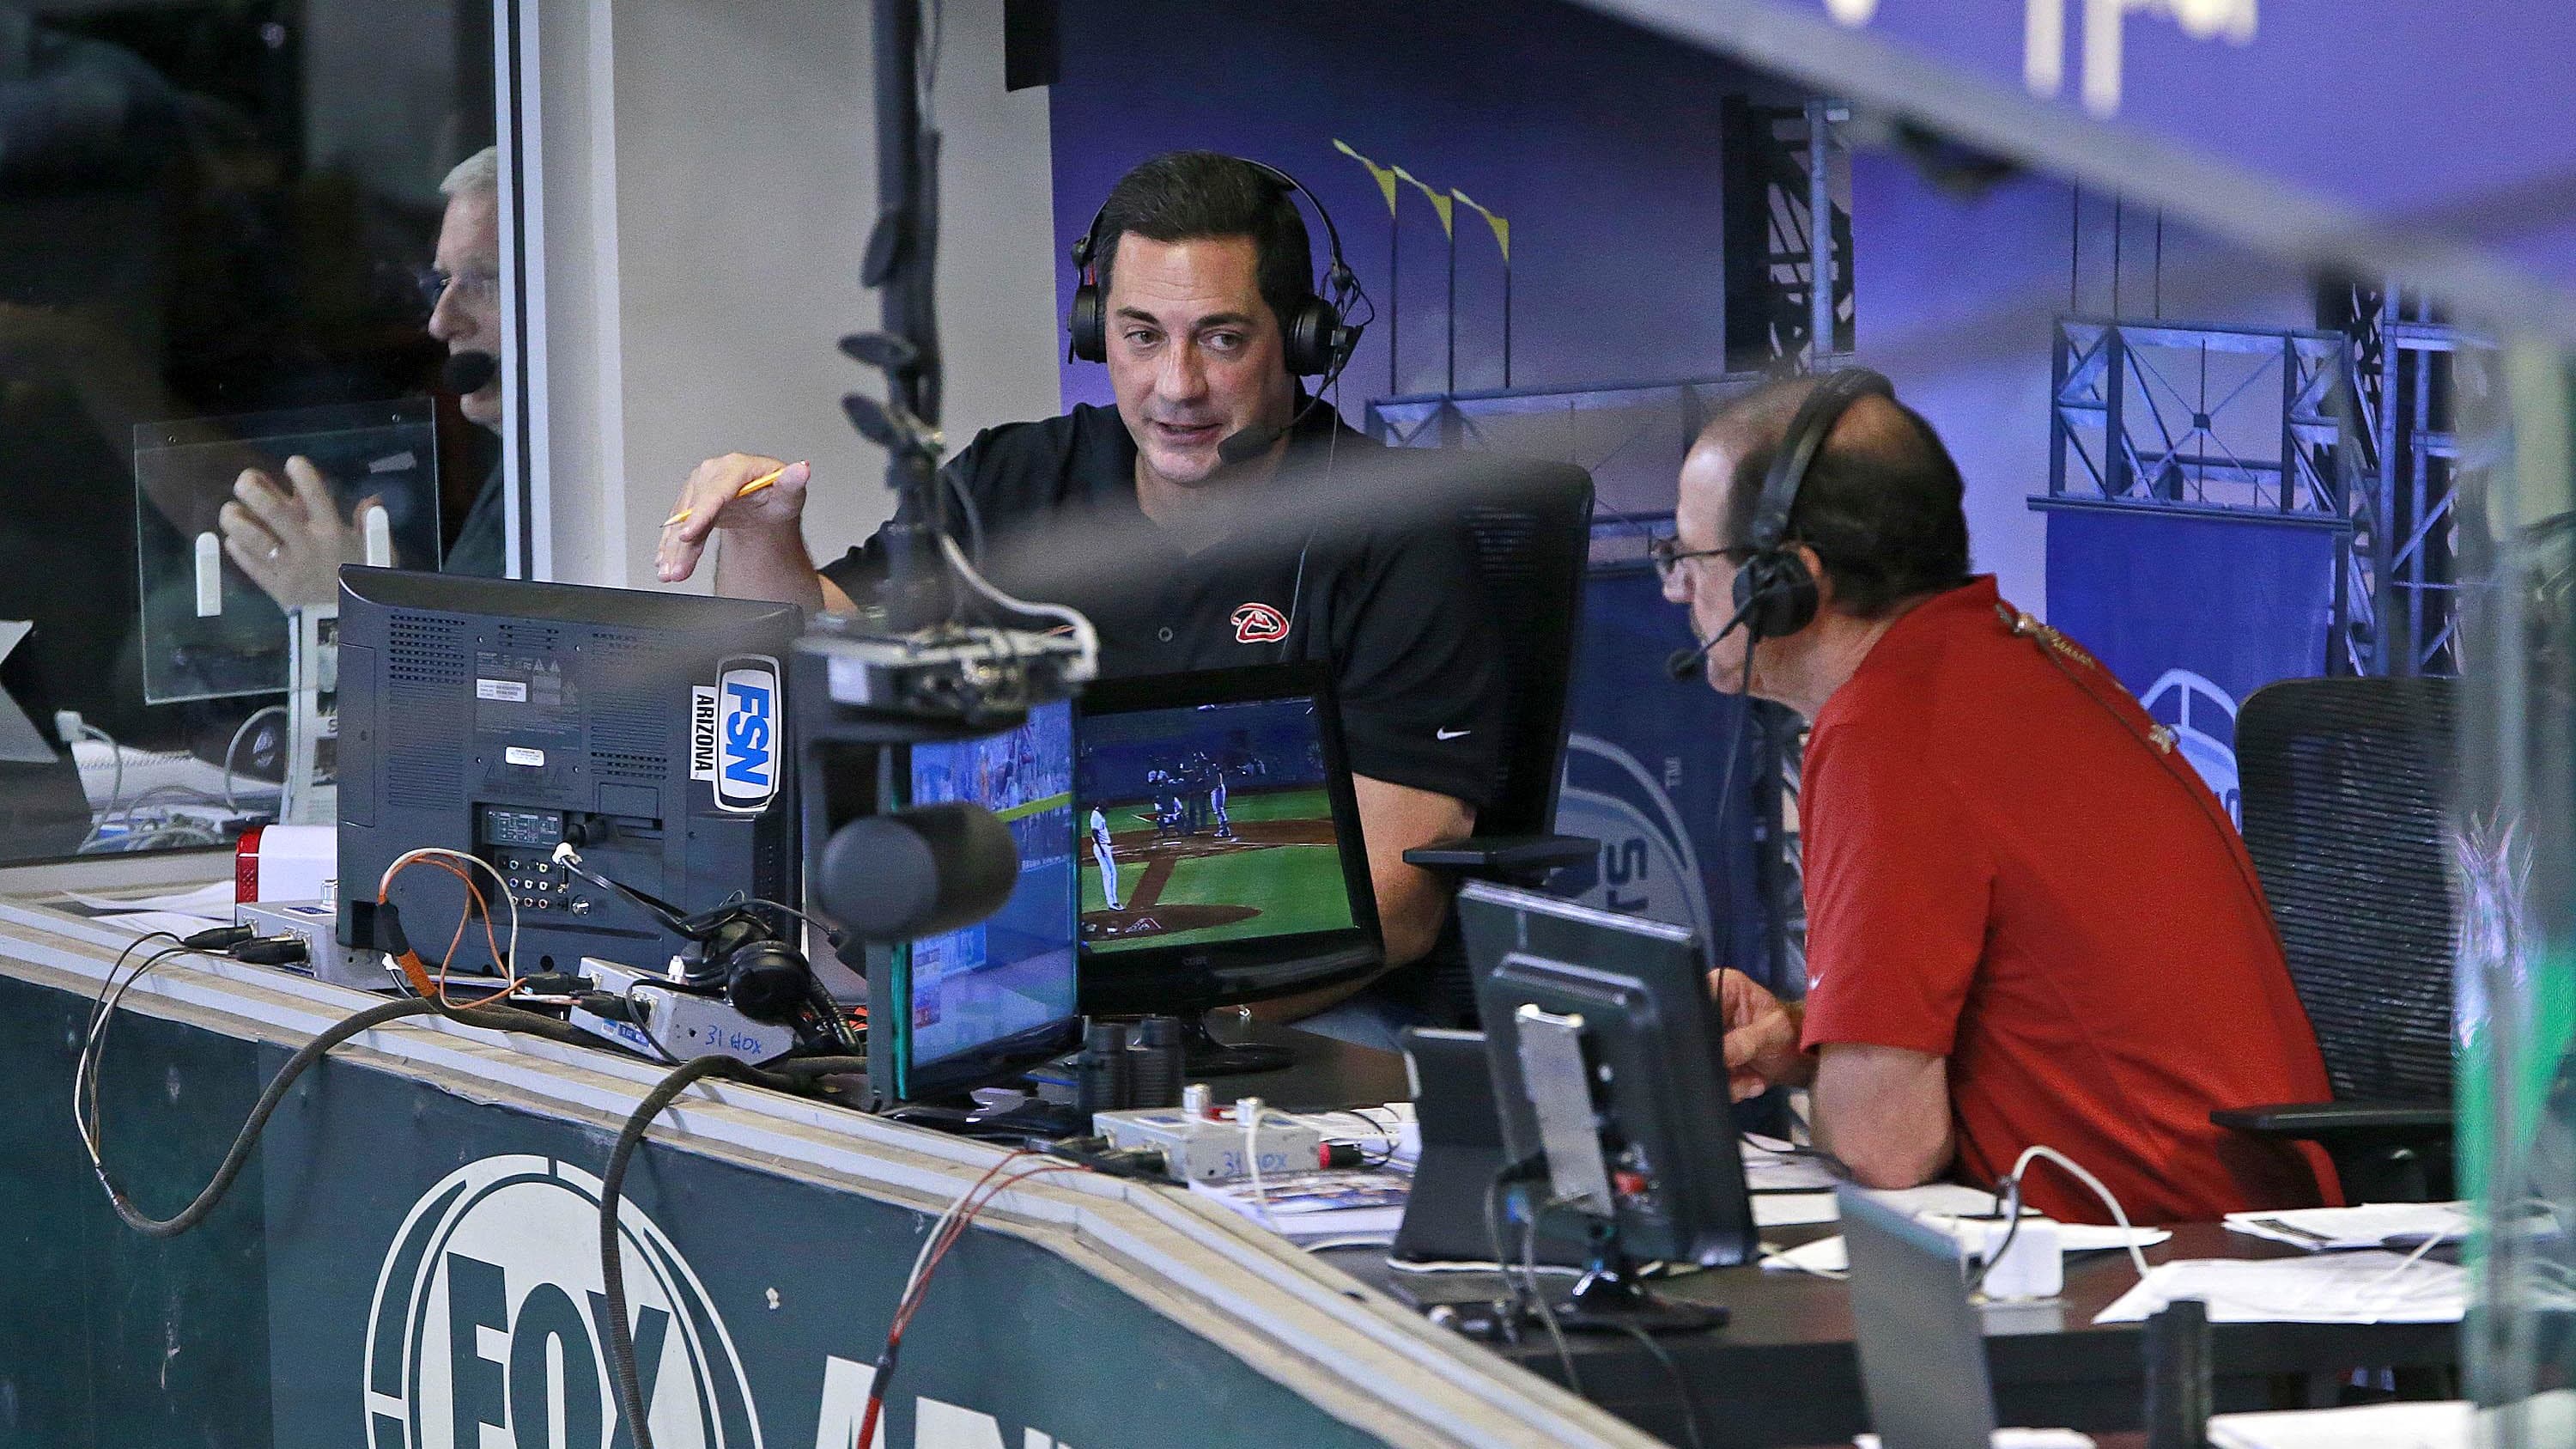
2022	626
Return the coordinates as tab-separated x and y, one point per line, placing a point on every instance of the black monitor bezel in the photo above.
1641	985
890	992
1189	979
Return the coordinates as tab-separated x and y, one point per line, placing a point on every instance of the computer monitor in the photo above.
1621	1003
976	1004
1222	861
499	717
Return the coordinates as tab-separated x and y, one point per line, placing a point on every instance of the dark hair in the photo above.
1194	195
1882	511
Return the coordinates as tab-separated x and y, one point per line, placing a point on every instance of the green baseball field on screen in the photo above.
1291	888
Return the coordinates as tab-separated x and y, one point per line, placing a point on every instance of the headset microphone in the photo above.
467	373
1681	664
1245	444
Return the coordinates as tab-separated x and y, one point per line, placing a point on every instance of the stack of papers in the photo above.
182	914
2366	1287
2546	1418
2013	1440
1827	1255
1795	1209
1771	1165
2319	1230
2368	1426
1309	1207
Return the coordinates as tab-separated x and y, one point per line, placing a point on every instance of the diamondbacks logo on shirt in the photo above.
1259	624
489	1323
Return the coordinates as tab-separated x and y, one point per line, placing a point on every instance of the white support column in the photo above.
707	192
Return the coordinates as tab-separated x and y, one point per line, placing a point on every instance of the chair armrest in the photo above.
2342	1121
1514	855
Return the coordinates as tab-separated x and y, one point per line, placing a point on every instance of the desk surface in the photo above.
1327	1073
1782	1370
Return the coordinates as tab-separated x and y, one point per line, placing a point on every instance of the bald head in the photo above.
1880	504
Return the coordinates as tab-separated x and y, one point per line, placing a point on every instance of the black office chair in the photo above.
2346	787
1530	523
1531	526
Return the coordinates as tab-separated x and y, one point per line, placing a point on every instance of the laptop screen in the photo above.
1922	1344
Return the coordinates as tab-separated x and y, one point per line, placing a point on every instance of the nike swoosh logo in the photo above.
1451	734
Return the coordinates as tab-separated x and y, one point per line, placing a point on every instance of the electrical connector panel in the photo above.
1211	1149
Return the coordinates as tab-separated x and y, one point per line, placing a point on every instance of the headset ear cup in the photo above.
1090	341
1775	593
1309	340
1797	599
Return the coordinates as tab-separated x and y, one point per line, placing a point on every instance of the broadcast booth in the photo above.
1268	896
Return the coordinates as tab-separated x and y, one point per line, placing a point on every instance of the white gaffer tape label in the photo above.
702	732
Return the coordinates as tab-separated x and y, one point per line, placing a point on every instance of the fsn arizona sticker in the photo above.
734	735
489	1324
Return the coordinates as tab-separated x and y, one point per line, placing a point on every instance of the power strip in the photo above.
1211	1149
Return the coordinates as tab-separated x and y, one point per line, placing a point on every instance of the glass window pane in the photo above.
249	313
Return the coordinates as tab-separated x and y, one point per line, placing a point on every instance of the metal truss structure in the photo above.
2348	427
1781	166
2408	366
1629	437
2226	421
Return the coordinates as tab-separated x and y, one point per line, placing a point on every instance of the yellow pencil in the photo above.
748	489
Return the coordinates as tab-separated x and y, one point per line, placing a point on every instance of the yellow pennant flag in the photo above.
1502	225
1384	175
1439	199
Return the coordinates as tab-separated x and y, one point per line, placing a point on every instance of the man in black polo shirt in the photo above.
1201	258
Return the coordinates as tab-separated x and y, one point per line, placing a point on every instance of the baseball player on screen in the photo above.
1216	802
1101	852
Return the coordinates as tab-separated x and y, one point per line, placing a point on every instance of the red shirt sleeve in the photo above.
1898	884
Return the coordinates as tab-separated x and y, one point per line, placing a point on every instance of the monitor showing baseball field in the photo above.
1215	826
1208	822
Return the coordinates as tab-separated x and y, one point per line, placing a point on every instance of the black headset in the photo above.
1775	594
1314	337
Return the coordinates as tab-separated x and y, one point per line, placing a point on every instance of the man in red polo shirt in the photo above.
2028	921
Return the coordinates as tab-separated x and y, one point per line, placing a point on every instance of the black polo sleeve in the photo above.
1422	689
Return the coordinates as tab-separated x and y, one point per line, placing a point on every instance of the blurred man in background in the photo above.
291	536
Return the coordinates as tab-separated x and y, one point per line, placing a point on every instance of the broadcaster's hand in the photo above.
712	500
1761	1038
292	544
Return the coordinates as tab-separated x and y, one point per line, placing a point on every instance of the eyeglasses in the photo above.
473	287
1667	555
